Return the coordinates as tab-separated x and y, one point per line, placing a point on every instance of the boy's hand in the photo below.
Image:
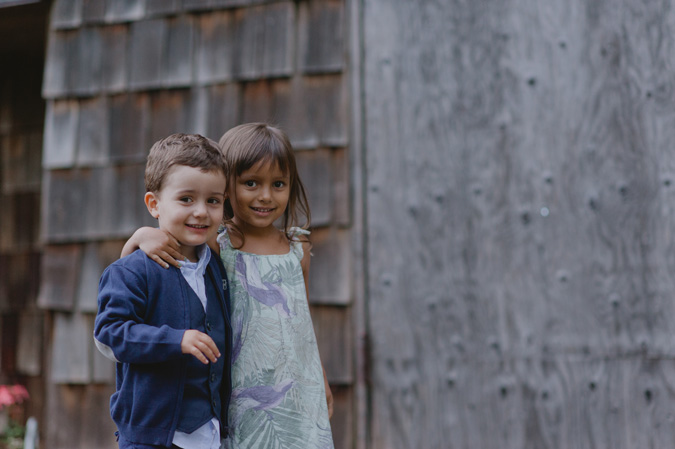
161	247
199	345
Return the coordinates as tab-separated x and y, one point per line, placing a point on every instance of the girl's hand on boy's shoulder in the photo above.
160	246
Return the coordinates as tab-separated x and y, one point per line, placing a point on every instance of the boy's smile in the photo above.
189	206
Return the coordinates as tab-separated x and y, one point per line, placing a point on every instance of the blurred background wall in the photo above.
491	185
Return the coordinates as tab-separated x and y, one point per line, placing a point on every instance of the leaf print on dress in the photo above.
262	397
267	293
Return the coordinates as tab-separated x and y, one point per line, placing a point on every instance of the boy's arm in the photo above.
119	328
306	246
159	246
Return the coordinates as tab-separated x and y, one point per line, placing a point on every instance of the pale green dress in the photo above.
278	396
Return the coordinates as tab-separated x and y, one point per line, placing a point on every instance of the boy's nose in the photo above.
199	210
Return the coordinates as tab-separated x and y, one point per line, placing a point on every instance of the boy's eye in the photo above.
213	201
185	199
249	183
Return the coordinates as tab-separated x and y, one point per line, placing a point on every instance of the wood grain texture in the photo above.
520	213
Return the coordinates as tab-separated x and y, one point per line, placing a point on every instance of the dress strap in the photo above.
223	238
294	234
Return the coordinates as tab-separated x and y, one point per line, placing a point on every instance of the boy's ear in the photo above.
152	203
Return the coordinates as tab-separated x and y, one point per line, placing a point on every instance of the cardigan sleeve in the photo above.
120	329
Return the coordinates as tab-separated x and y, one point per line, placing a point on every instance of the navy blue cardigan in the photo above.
143	312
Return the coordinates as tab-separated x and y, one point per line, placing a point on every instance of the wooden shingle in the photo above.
95	258
197	5
129	127
66	14
321	36
264	42
332	326
65	193
328	100
314	168
18	271
29	347
58	73
124	10
129	190
216	45
169	112
21	159
161	7
147	43
177	64
70	351
60	138
59	273
86	63
93	139
342	422
224	105
93	11
341	187
114	66
330	275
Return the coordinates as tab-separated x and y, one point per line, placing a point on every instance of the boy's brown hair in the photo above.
191	150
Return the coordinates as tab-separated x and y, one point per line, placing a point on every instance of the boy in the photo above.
169	330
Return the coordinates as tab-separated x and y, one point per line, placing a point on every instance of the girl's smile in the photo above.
260	196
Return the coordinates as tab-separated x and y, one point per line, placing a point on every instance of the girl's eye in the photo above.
279	184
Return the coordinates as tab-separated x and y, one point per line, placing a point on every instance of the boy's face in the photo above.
189	206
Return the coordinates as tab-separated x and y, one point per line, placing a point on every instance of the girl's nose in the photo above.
264	194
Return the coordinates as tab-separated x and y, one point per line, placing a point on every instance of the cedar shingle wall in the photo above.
121	74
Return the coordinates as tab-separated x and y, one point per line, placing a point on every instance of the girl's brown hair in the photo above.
244	146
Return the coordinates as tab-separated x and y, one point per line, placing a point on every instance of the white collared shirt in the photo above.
208	435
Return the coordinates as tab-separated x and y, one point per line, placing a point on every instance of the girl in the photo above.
280	395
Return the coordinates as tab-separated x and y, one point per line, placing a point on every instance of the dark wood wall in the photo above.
520	207
120	75
22	110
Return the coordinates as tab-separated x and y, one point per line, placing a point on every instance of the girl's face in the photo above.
260	196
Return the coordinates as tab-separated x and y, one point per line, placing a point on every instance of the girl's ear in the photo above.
152	203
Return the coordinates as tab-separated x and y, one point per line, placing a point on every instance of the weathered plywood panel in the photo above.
519	272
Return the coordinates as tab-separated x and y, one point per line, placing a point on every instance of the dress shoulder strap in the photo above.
294	234
223	238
